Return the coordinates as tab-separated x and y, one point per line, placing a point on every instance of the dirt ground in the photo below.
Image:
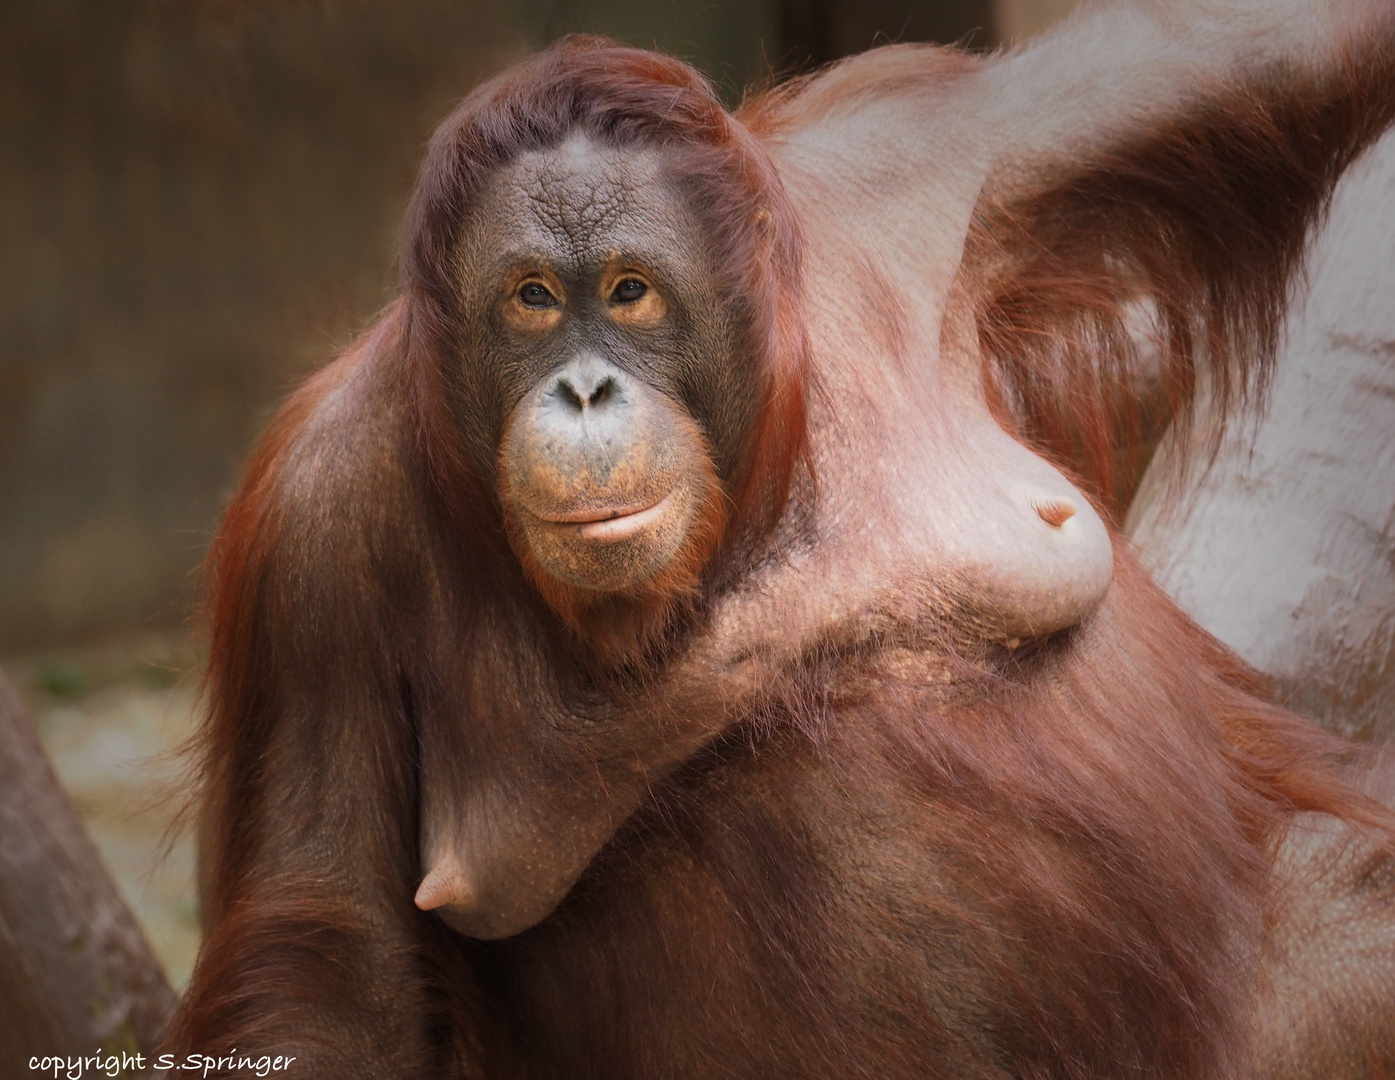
112	718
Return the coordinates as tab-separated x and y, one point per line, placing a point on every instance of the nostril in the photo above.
603	392
584	384
580	394
567	393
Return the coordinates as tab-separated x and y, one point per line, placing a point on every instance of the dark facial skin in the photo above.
599	371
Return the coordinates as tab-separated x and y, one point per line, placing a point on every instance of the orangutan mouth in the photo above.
604	526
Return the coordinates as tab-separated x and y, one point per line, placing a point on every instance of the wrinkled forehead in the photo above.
570	200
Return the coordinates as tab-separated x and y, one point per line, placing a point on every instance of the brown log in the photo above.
76	973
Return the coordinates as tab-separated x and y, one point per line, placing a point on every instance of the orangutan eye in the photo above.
535	295
628	291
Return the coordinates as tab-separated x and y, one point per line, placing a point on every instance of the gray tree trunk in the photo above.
76	973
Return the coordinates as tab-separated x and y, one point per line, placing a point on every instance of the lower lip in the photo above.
620	527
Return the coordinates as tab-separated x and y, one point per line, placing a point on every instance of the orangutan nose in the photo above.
586	384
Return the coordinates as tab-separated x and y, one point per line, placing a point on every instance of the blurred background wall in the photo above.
199	202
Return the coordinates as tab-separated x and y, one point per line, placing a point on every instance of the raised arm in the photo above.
1119	199
1154	175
